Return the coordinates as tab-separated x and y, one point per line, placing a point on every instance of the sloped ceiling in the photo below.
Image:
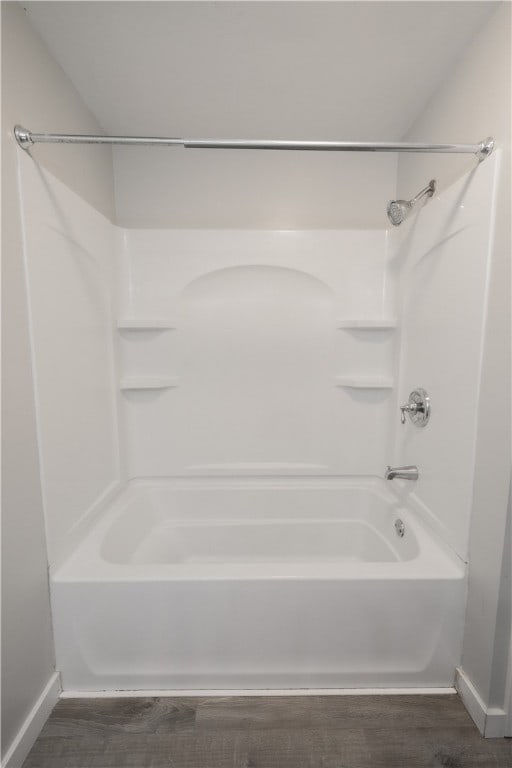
309	70
357	70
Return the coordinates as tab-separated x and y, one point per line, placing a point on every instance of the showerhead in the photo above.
400	210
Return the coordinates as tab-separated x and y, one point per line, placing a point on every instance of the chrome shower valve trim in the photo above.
417	408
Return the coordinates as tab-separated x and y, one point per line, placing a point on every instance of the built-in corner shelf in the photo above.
377	324
147	382
145	324
364	382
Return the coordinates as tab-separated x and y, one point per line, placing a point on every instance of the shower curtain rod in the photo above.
26	139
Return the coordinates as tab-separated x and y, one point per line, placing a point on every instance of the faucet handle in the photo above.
410	408
418	408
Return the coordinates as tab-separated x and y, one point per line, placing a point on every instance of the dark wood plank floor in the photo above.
266	732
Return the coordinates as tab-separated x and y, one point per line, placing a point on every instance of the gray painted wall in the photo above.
473	103
35	91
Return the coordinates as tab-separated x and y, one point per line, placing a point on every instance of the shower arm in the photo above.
427	191
27	139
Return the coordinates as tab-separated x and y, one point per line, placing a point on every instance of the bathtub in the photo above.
258	584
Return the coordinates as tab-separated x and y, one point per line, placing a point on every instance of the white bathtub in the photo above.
237	584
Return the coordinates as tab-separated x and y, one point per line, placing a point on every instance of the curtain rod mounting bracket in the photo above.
23	137
487	146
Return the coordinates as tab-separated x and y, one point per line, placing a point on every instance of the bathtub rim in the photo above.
85	563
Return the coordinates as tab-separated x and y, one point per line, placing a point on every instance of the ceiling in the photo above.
310	70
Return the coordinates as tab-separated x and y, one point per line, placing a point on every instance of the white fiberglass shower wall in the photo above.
443	257
70	272
256	353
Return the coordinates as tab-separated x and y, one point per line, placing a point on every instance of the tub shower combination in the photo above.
271	582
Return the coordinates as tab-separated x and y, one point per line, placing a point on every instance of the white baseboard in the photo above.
495	723
113	694
490	721
31	728
471	700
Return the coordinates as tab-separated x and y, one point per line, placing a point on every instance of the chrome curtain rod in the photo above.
26	139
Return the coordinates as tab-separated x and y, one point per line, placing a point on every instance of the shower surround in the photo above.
228	486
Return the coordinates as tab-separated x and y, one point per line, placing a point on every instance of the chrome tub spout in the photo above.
402	473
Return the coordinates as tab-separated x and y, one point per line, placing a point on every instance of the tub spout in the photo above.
402	473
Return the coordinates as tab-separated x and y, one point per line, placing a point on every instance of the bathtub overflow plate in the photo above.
399	528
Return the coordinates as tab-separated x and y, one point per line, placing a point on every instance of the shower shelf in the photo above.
364	382
148	382
381	324
145	324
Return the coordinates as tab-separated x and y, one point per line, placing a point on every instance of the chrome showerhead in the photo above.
400	210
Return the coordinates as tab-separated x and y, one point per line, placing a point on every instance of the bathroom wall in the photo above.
443	257
34	91
331	70
254	361
210	189
69	262
252	70
475	102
